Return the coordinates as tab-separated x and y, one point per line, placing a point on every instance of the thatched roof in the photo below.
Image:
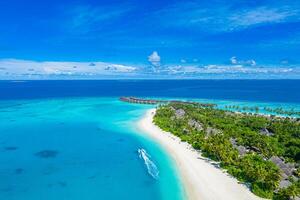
265	131
195	124
241	149
284	184
286	168
179	113
210	131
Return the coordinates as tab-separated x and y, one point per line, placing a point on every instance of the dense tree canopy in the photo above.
260	150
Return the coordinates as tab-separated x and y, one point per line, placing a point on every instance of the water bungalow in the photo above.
157	101
142	101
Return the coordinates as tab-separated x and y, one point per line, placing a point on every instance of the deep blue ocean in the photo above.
62	140
282	91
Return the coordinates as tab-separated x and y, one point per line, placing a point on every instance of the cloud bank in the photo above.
26	69
12	68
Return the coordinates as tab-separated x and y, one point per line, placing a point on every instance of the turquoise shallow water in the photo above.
261	105
94	155
84	148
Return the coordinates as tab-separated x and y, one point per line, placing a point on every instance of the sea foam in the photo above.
151	167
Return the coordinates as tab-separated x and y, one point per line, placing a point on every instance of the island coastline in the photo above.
202	179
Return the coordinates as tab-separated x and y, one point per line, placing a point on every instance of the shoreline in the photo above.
201	178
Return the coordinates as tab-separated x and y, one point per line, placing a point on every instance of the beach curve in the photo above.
202	179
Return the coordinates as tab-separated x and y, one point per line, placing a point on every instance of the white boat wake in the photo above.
151	167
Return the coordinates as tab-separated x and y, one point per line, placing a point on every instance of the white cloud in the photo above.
227	70
24	69
261	15
225	17
119	68
154	59
235	61
250	62
43	69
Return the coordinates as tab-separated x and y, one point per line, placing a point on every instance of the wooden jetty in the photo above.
142	101
156	101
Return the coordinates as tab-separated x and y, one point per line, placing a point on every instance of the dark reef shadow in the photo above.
47	154
19	171
10	148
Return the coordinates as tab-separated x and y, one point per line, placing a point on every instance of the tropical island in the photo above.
261	151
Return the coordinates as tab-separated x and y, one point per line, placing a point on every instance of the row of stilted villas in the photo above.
156	101
142	101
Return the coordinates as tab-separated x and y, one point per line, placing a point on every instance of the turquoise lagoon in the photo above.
80	148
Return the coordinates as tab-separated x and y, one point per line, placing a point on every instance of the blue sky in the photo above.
149	39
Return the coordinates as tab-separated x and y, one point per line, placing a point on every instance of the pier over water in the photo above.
142	101
157	101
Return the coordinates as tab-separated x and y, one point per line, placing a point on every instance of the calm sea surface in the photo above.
74	140
283	91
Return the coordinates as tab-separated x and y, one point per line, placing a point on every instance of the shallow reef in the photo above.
46	154
19	171
10	148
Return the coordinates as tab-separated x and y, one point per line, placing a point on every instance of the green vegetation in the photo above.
262	151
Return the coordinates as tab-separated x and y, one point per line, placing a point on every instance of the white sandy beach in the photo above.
201	179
